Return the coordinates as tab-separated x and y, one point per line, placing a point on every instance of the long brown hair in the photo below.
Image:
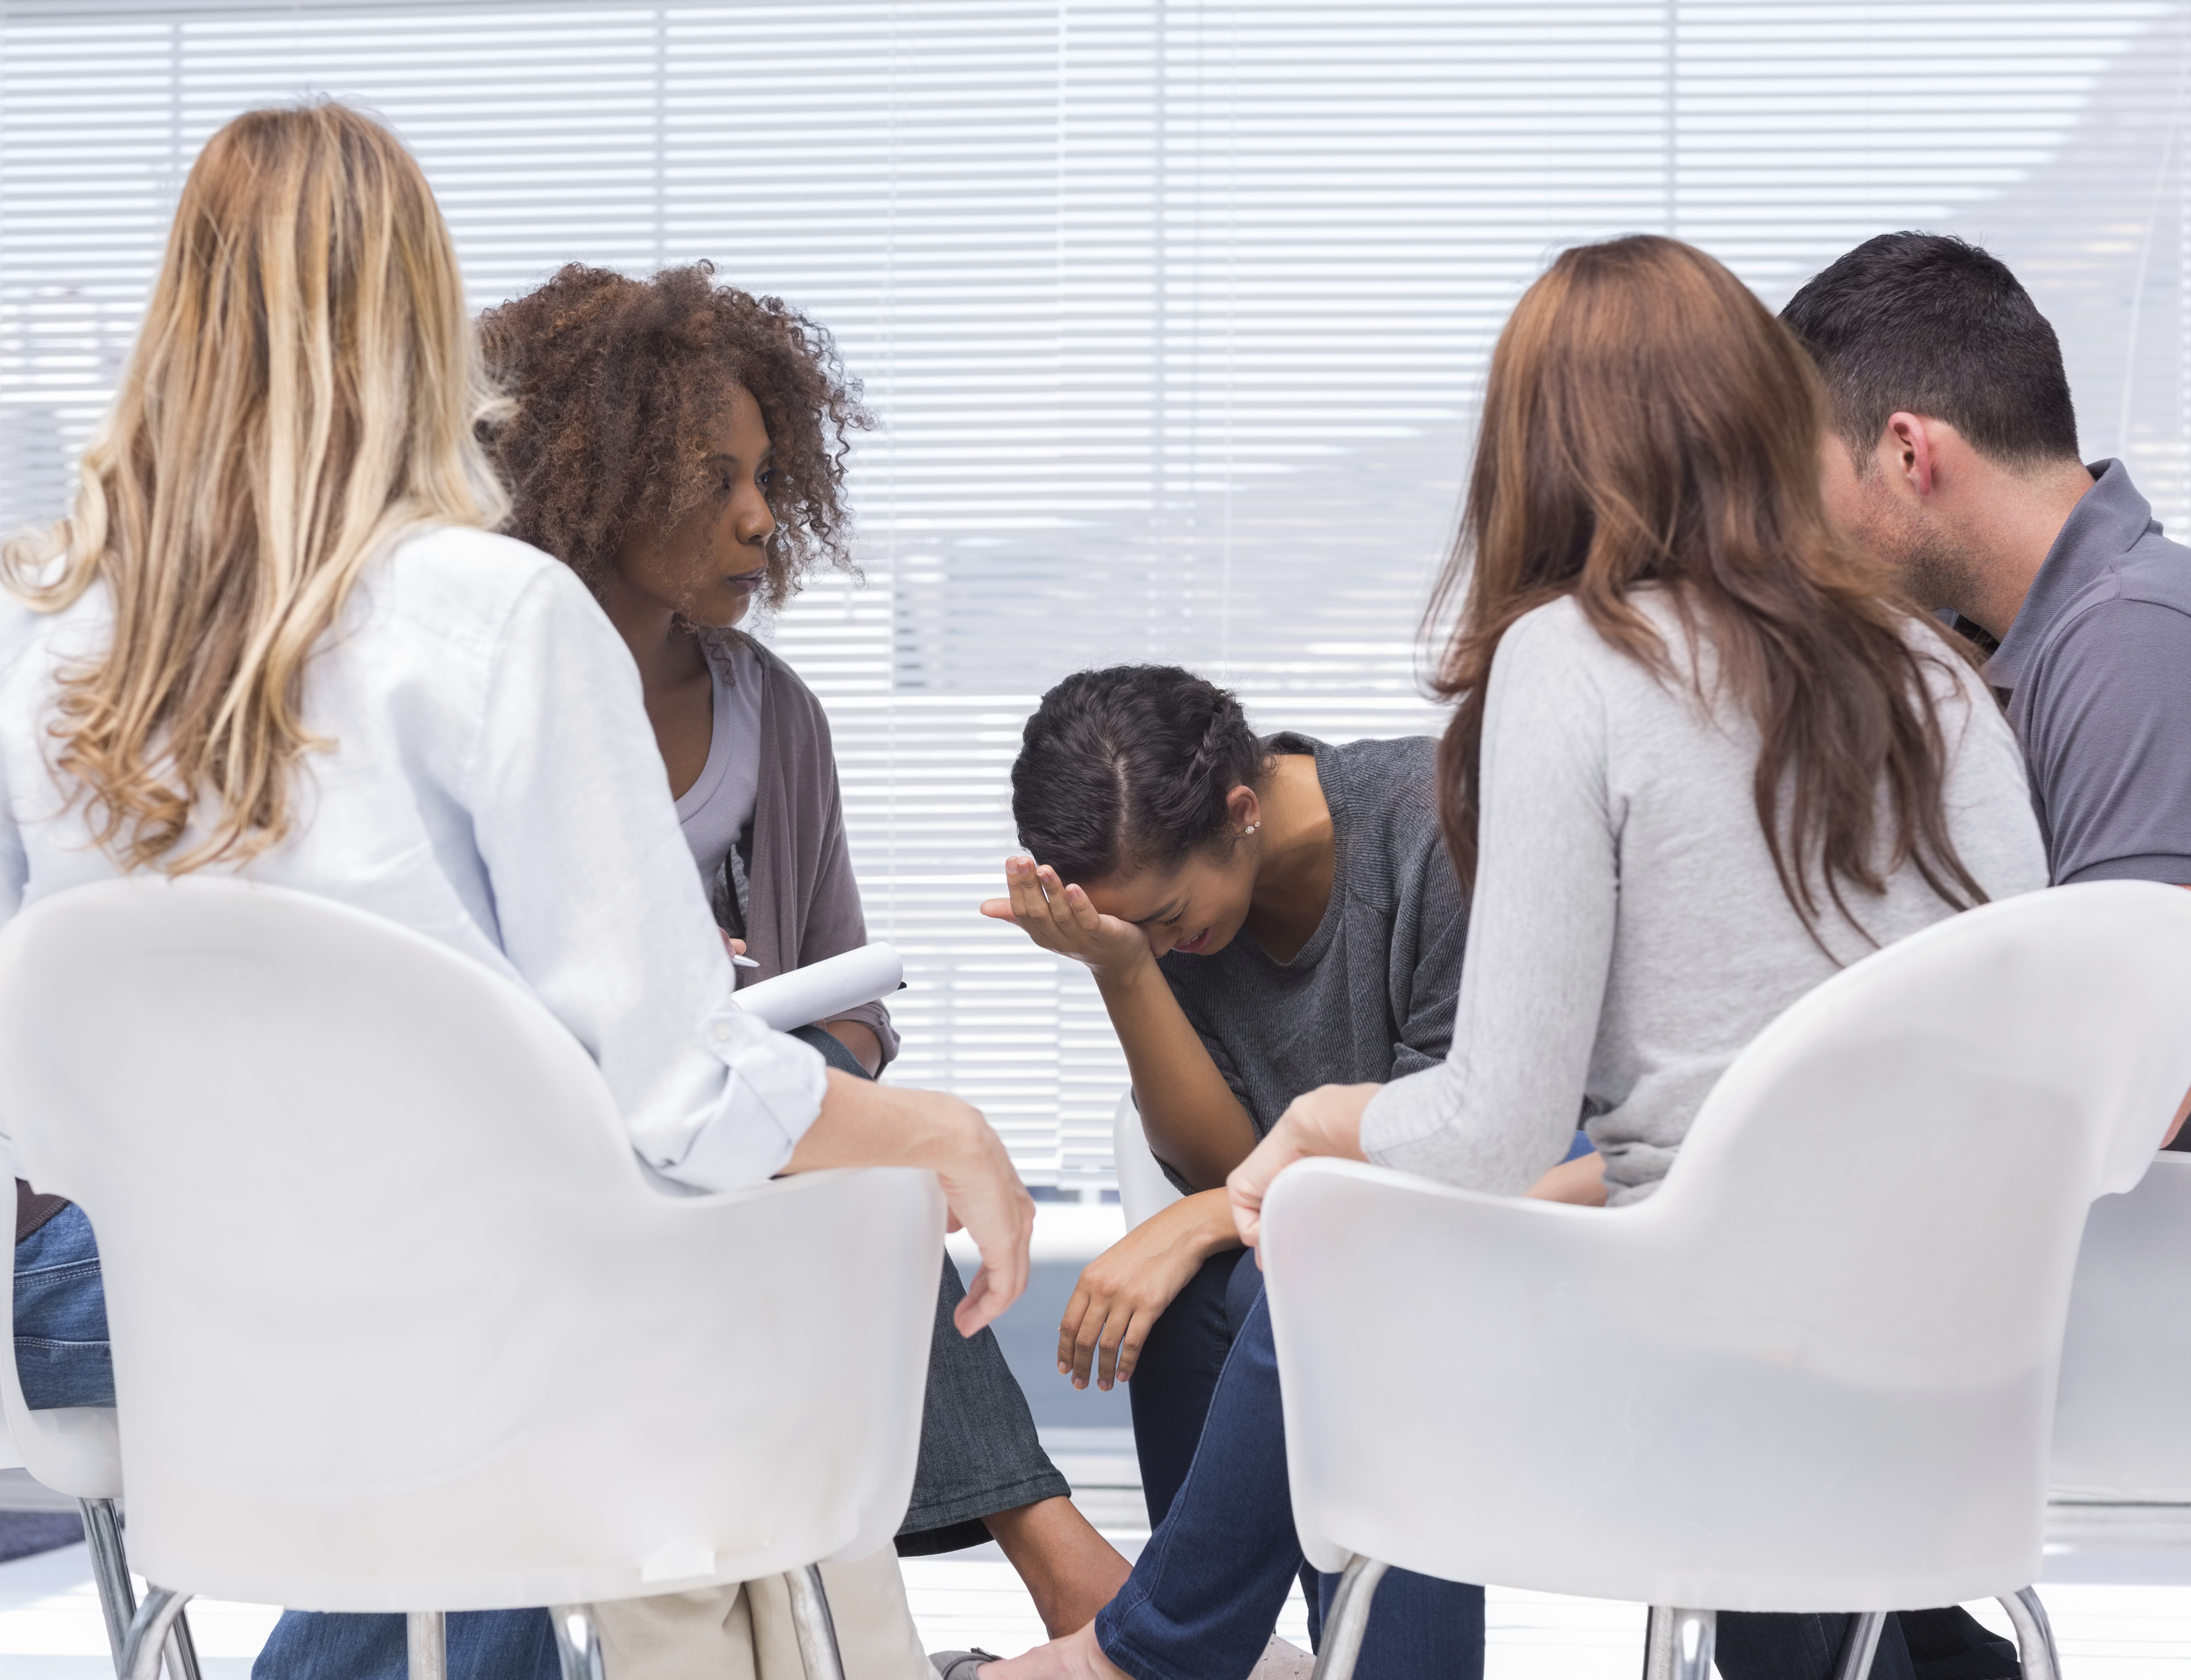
303	392
1646	422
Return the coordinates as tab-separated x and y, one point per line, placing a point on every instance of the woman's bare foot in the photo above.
1077	1656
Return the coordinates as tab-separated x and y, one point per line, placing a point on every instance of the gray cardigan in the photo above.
805	903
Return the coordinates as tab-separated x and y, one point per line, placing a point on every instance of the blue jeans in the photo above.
61	1353
1200	1602
63	1359
1182	1359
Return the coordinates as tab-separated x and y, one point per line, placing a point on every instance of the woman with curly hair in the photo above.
680	445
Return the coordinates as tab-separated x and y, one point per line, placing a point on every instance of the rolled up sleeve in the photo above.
601	913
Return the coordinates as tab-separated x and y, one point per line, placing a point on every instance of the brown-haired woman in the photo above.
679	444
1704	754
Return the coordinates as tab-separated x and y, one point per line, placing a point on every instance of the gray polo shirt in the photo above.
2096	675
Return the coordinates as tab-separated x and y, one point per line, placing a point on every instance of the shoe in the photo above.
961	1665
1283	1659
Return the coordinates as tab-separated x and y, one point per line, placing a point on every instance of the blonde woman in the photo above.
274	639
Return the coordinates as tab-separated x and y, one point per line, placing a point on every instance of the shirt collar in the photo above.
2109	520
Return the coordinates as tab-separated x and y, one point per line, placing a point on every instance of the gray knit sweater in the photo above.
1629	934
1371	996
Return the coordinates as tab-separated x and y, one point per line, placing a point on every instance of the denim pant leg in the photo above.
980	1453
482	1645
1176	1376
61	1352
1203	1599
1419	1627
1942	1644
1752	1645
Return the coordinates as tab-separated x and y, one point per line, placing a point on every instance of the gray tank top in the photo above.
718	810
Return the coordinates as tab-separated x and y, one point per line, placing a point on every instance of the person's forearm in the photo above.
1325	1121
1192	1120
1580	1181
864	1125
1205	1222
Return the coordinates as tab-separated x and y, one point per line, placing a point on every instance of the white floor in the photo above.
50	1627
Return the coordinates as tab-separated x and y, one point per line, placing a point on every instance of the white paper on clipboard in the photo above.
823	991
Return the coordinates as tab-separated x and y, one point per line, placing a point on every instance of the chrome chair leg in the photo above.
816	1628
2034	1635
578	1643
1861	1645
1349	1620
110	1572
117	1598
1677	1643
182	1650
426	1645
149	1630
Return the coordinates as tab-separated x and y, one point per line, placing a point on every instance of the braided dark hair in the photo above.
1129	768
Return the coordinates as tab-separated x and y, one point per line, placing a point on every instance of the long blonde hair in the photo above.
303	393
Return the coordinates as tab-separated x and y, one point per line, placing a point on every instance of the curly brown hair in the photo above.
621	387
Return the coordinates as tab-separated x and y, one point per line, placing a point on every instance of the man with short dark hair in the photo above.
1957	464
1955	461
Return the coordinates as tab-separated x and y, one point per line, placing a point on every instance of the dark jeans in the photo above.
61	1352
1202	1599
1945	1644
1181	1359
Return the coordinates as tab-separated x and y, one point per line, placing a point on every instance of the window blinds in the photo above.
1173	311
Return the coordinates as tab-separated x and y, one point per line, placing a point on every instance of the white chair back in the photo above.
399	1323
1143	1190
1815	1370
2119	1433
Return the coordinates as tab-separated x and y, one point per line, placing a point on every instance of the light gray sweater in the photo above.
1629	935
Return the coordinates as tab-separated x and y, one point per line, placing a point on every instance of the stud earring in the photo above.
1252	827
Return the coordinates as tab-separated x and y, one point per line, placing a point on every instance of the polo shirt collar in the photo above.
2109	520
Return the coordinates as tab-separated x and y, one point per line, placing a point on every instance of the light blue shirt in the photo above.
494	783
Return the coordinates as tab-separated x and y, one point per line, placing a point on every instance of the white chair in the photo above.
398	1322
1143	1190
2119	1508
75	1450
1814	1372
